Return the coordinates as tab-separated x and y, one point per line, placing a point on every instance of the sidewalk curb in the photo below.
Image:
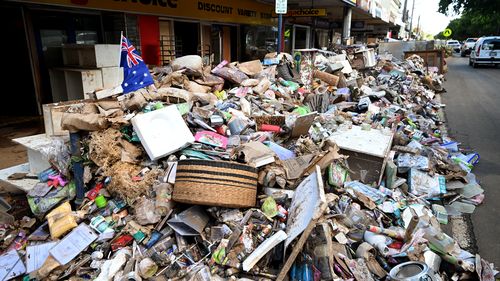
460	227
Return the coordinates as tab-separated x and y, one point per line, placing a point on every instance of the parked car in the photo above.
454	44
467	46
486	51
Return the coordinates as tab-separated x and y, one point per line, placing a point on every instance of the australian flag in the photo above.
135	72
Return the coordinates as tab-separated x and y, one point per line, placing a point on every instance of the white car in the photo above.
486	51
467	46
454	44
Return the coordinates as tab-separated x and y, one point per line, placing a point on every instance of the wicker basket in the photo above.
215	183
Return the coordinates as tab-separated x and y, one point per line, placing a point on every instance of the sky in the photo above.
431	20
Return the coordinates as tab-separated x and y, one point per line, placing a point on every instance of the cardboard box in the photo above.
52	115
112	77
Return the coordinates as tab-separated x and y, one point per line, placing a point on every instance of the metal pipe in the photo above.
280	32
411	21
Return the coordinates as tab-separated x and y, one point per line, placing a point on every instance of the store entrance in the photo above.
301	37
224	43
186	38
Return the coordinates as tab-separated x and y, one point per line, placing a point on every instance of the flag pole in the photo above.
120	56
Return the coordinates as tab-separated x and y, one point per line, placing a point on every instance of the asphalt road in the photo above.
473	114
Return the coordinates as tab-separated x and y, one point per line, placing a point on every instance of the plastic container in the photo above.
101	201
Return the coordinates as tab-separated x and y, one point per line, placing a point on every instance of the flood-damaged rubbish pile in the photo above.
322	167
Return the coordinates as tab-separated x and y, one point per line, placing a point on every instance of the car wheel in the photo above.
470	62
462	54
474	65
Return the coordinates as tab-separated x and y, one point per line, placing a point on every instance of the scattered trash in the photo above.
321	166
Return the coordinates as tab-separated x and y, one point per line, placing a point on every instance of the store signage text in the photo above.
221	9
241	11
161	3
305	13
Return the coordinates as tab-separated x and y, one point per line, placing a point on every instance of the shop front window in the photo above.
259	40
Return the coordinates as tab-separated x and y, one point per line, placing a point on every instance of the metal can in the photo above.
412	271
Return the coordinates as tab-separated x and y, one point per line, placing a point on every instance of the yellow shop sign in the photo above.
241	11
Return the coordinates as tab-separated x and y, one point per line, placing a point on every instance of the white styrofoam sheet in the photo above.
38	161
16	185
373	142
162	131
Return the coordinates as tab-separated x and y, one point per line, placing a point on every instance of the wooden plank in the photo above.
296	250
329	244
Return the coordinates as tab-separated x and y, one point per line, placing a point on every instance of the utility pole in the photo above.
405	18
418	27
411	21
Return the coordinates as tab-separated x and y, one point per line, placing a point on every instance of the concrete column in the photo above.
346	32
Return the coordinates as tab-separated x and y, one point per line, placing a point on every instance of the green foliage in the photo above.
484	7
473	24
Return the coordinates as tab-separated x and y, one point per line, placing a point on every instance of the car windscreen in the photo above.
491	44
471	40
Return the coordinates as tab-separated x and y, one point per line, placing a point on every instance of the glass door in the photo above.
301	37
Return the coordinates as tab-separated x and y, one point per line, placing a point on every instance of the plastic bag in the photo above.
233	75
58	154
192	63
40	205
164	201
61	220
269	207
145	212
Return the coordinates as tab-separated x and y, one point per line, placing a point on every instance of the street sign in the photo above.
281	7
447	32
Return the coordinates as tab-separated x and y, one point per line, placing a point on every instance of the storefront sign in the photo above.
241	11
305	13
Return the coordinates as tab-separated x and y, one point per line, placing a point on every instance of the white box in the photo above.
162	132
80	82
93	56
16	186
112	77
38	162
367	151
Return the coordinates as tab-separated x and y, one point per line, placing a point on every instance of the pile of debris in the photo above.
322	167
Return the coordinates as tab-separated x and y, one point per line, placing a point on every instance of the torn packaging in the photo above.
250	68
75	122
326	159
255	154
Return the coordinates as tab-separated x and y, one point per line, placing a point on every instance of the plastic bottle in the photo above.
439	239
378	241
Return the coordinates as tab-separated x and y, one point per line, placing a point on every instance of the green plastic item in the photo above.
302	110
270	208
158	105
183	108
337	175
